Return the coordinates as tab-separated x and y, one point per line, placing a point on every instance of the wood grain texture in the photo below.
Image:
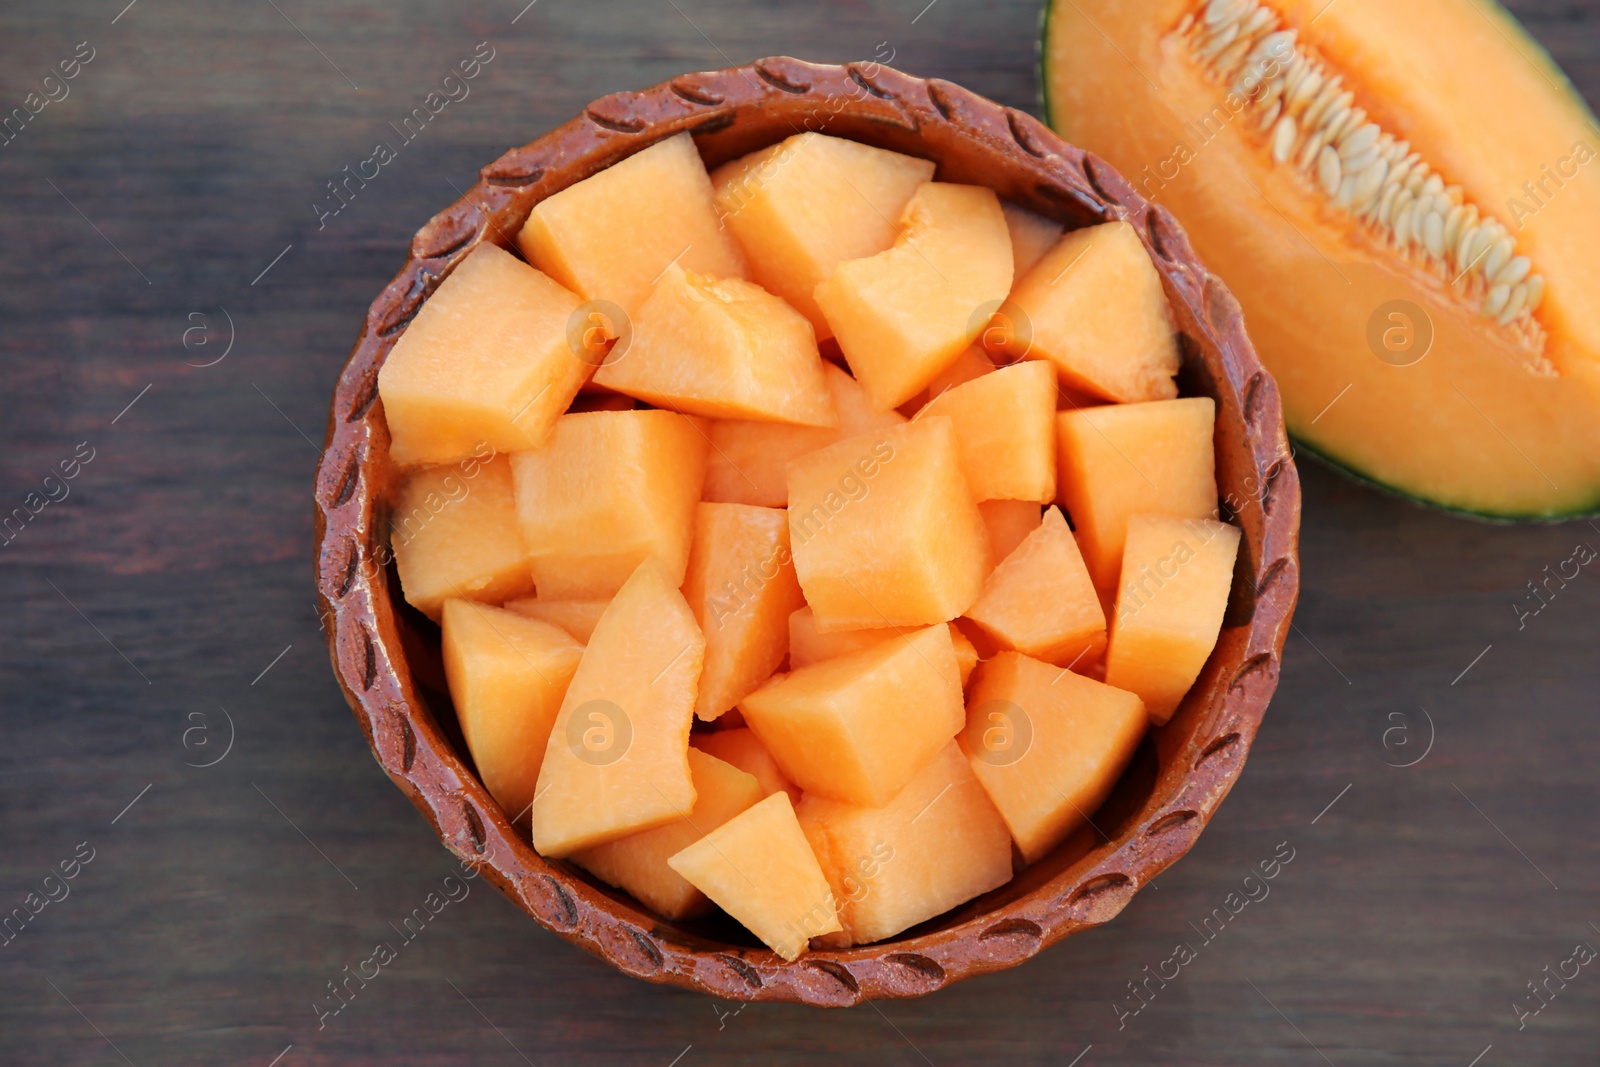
217	908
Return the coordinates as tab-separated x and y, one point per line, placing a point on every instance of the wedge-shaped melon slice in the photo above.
507	677
454	533
1176	574
905	314
1125	459
1094	308
638	862
1040	600
884	530
609	489
576	617
741	587
616	762
1006	427
1048	745
748	461
1008	522
808	645
807	204
611	235
1032	235
722	347
938	843
743	749
859	726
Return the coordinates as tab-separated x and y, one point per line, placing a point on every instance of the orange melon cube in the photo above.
784	899
611	235
1048	745
638	863
1008	522
742	748
576	617
1176	575
811	202
722	347
741	587
748	461
1096	311
884	530
1040	600
617	759
454	533
938	843
1006	426
1032	235
609	489
1127	459
507	675
858	727
905	314
808	645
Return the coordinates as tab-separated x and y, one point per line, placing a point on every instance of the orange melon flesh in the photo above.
939	843
1032	235
611	235
966	653
748	461
973	362
741	587
808	645
609	489
722	347
576	617
905	314
617	759
1096	311
1005	425
858	727
809	203
759	869
742	748
1176	574
1040	600
1125	459
884	531
507	675
638	863
485	362
1048	745
1008	522
454	532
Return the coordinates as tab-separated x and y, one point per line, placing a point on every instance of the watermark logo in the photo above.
1006	733
1400	333
599	333
1000	326
198	336
599	732
197	739
1401	749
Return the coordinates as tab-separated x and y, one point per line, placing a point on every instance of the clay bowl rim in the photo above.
1197	757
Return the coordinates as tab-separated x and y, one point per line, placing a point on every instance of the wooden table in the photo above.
172	308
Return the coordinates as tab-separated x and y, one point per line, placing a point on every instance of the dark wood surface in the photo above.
177	570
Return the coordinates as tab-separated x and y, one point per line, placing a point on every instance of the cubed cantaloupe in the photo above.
617	759
1176	575
1047	744
1008	522
722	347
905	314
638	862
611	235
858	727
577	617
742	748
609	489
748	461
759	868
938	843
485	361
1040	600
884	530
507	676
1032	235
808	645
1096	311
803	206
454	533
1126	459
1006	426
741	587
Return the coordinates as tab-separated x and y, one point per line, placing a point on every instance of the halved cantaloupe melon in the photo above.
1005	424
1032	235
576	617
803	206
609	489
638	862
759	869
1176	574
1008	522
742	748
617	759
1397	194
1040	600
485	361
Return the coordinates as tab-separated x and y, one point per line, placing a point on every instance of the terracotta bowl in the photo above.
386	655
